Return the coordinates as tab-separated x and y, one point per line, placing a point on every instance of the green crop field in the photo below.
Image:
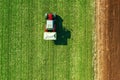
24	55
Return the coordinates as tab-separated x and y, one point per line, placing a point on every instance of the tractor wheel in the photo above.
54	15
46	16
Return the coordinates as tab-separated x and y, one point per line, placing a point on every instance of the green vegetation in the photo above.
24	55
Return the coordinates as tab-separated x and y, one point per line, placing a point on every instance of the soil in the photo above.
108	39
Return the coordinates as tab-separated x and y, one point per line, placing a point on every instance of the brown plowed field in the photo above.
108	39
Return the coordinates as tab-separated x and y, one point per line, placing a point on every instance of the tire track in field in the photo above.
89	37
46	47
1	37
5	42
31	44
42	44
67	20
16	58
42	47
13	58
61	50
1	11
38	61
24	23
75	41
77	34
52	50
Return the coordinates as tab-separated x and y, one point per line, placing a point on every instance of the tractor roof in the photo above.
50	16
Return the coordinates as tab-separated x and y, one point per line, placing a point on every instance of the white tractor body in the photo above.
50	35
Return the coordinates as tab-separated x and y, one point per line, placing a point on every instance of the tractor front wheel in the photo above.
46	16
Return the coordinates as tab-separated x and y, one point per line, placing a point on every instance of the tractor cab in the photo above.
50	25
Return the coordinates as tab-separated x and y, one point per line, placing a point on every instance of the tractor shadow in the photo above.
62	34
